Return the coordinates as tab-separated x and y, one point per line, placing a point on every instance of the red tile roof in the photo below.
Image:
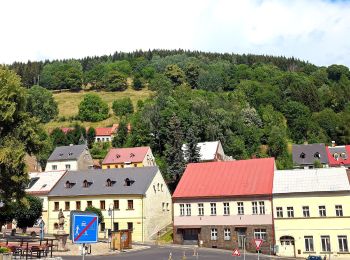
103	131
339	150
66	129
122	155
232	178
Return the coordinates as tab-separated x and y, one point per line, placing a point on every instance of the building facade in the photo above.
210	152
70	158
133	198
305	155
128	157
225	204
312	213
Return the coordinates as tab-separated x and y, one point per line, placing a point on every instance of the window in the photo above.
67	166
302	155
260	234
182	209
77	205
227	234
309	244
135	164
317	155
86	184
115	226
279	212
306	211
163	206
213	209
240	208
66	205
54	167
109	183
103	227
262	207
57	206
343	243
226	208
213	234
130	204
255	207
89	203
167	206
322	210
102	204
326	244
128	182
55	226
200	209
116	204
69	185
188	209
130	226
339	210
290	212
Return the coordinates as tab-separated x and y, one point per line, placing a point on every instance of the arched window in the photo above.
86	184
158	185
161	187
128	182
108	183
302	155
317	155
336	156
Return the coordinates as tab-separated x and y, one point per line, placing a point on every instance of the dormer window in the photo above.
117	155
69	184
132	155
317	155
302	155
128	182
61	154
336	156
70	153
109	183
86	184
343	156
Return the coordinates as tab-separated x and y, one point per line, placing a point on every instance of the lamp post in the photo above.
111	214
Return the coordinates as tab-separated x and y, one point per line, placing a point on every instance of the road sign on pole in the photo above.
84	228
236	252
258	243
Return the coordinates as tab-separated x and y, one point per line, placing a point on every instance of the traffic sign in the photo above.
84	228
258	243
236	252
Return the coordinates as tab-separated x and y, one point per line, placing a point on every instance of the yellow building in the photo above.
128	157
138	199
312	212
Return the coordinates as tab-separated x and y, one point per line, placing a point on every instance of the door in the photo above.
241	237
190	236
287	247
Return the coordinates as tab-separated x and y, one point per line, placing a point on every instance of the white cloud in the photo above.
315	30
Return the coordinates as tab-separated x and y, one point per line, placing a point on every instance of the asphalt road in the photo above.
162	253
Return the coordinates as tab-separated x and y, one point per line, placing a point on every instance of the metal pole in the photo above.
83	251
258	254
244	248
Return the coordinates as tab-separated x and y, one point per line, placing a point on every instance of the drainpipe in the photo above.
273	224
143	198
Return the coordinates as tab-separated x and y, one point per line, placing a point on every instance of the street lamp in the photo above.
111	214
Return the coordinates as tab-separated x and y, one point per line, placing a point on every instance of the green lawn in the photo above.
68	103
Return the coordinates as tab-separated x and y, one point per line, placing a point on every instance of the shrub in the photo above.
122	107
92	108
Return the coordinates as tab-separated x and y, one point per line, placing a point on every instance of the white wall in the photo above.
61	165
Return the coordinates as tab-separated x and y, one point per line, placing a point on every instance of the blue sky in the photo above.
314	30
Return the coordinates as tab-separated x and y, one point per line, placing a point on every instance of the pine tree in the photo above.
173	151
192	152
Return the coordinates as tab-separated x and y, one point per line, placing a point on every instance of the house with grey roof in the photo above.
305	155
136	199
71	158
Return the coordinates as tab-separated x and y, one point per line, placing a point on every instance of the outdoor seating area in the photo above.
29	247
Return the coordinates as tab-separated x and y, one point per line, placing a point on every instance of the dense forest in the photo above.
254	104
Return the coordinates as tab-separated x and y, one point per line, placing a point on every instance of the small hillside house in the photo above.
305	155
71	158
210	152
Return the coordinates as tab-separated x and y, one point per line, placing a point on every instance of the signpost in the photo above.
258	243
236	253
84	229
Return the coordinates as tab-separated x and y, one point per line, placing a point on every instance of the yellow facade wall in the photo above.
120	165
314	226
121	216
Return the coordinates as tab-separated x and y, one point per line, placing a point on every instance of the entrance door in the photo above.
287	247
241	237
190	236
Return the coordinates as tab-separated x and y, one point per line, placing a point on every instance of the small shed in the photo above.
122	239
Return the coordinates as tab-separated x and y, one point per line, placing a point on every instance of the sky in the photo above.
317	31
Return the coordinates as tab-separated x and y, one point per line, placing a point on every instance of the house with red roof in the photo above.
339	155
225	204
128	157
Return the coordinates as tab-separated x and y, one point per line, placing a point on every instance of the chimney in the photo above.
333	143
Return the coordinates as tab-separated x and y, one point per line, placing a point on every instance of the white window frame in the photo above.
325	244
226	208
279	212
200	209
182	209
213	209
67	166
260	233
214	234
54	167
306	211
255	207
339	210
240	208
227	234
188	209
262	207
309	243
290	212
322	211
343	244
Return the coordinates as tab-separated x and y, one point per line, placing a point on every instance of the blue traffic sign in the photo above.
84	228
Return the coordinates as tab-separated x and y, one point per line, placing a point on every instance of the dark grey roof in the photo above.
63	153
306	154
141	176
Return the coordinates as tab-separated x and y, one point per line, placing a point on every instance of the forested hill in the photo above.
254	104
